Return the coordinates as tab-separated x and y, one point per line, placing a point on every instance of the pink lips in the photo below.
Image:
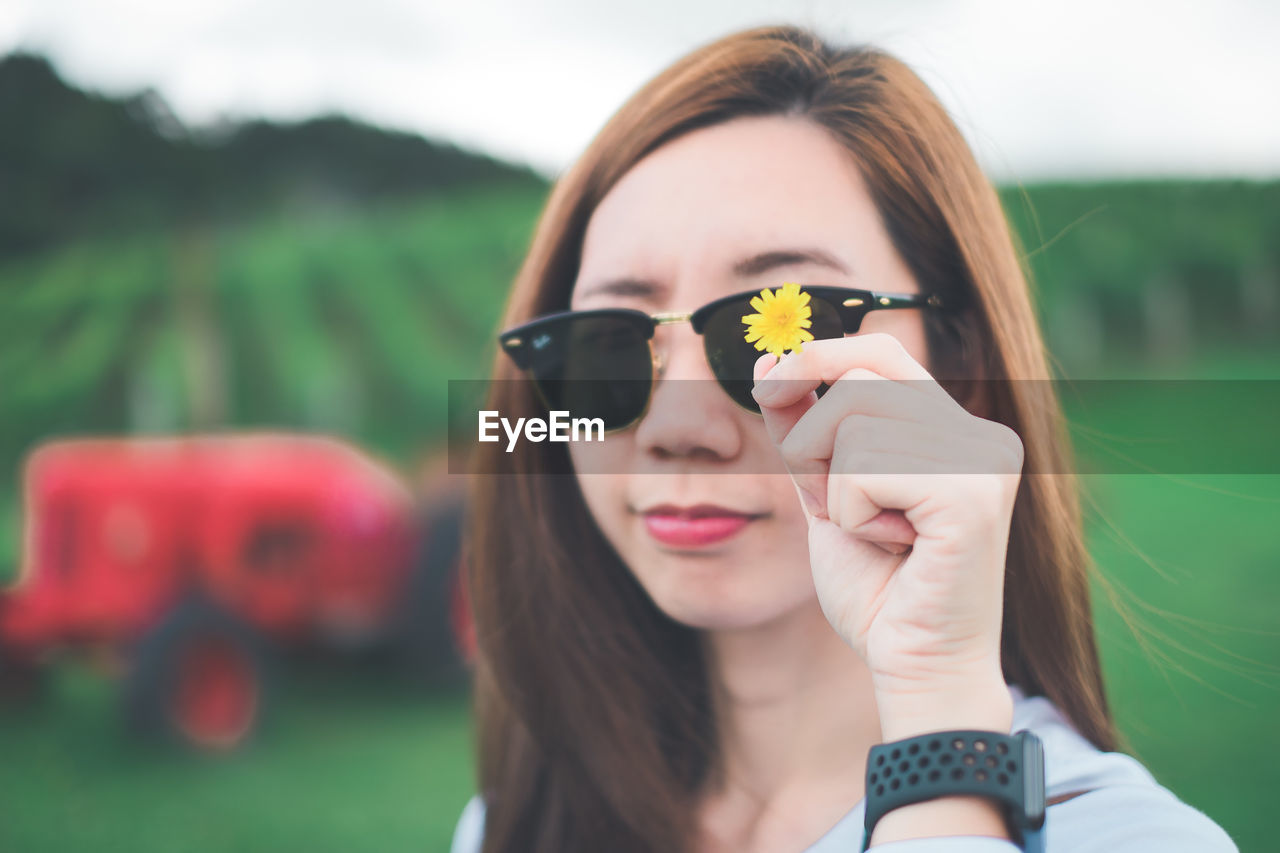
694	526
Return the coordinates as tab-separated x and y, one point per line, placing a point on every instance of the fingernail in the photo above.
763	391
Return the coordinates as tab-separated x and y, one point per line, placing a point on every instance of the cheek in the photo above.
611	456
604	489
604	499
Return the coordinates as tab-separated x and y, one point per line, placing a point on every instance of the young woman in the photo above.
692	634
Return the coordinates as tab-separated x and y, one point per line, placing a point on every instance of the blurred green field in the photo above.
348	761
1186	612
1195	688
1198	694
354	762
354	323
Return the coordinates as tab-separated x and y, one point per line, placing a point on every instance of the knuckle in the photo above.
793	449
998	491
984	495
853	427
858	373
861	462
1014	452
1018	457
892	346
883	340
853	461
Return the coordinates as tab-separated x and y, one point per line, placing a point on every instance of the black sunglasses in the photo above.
601	363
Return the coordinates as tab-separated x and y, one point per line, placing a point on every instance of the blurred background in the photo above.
291	224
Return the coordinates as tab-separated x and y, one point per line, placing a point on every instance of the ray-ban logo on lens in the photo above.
559	428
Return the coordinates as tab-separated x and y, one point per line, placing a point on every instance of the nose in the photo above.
689	414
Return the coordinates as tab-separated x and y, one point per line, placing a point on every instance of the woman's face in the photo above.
675	227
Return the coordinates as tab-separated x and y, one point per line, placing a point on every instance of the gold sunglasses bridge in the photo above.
665	318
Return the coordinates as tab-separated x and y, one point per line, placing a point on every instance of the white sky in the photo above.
1087	88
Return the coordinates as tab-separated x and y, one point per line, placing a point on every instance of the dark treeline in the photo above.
73	163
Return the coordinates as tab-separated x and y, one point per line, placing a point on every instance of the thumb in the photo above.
811	480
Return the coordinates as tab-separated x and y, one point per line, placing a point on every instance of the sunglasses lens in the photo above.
594	366
732	358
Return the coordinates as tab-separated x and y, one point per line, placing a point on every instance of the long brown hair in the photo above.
594	707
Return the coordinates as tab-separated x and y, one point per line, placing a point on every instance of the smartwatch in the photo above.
1006	768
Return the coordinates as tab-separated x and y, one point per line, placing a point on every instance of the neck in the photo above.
794	707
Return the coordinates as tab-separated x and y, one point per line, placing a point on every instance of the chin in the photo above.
720	601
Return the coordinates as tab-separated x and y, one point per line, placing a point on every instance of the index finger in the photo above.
825	361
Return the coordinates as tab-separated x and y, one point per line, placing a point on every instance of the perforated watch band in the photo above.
1006	768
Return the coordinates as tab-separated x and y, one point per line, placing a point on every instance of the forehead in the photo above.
683	220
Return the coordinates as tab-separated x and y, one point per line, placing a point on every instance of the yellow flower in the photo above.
783	318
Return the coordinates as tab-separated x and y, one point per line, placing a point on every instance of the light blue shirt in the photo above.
1125	811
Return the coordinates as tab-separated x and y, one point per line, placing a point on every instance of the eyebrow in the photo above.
745	268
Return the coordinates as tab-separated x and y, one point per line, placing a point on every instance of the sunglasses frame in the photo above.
852	305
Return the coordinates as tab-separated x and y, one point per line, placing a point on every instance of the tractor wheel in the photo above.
199	677
424	626
20	680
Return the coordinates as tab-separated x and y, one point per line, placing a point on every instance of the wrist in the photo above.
981	703
942	817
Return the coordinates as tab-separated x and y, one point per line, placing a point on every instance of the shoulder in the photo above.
1123	807
469	832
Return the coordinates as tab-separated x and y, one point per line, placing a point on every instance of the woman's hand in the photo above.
909	499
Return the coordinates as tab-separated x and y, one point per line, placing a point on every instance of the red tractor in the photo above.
187	559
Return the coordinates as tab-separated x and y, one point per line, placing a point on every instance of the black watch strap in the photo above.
1004	767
